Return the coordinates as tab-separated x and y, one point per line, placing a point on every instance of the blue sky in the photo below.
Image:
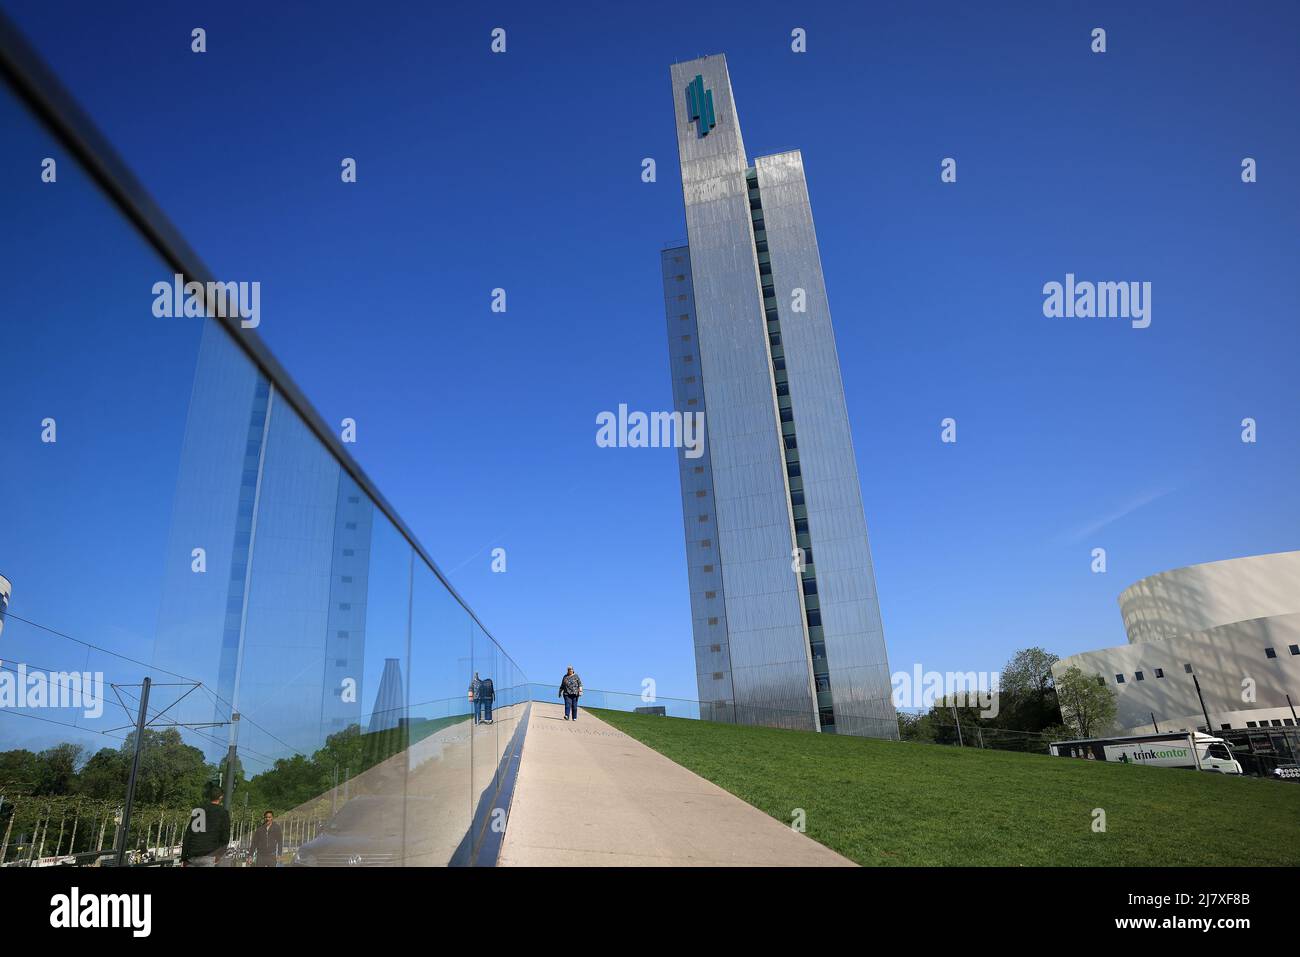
522	171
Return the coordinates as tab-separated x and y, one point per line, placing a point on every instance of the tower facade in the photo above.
786	620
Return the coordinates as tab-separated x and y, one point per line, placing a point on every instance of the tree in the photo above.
172	773
954	720
57	773
19	768
290	782
915	727
1057	732
1028	695
1087	705
104	775
344	750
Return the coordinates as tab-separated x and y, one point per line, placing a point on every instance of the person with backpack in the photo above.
208	833
486	693
571	691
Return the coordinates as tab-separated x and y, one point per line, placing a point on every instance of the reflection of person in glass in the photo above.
571	691
486	694
207	834
474	698
267	842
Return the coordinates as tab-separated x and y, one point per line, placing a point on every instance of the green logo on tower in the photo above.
699	105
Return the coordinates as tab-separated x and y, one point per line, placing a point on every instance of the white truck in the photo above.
1173	749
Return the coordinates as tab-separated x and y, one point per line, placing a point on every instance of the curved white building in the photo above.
1233	626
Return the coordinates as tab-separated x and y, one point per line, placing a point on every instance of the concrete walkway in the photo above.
588	794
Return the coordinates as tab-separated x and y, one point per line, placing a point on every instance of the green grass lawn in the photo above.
885	802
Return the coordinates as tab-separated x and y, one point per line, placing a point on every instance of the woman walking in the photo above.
571	691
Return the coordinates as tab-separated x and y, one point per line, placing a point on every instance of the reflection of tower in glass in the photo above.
390	707
345	626
5	589
259	420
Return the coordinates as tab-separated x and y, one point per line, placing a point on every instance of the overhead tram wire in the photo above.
110	732
243	716
115	733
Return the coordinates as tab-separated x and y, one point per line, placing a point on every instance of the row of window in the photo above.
1140	676
342	650
1160	673
698	469
798	508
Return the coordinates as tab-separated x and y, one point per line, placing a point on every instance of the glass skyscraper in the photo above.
786	619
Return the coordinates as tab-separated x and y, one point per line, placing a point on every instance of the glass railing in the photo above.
181	524
622	701
869	723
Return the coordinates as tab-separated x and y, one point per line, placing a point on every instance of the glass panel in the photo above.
174	518
439	761
95	392
485	752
